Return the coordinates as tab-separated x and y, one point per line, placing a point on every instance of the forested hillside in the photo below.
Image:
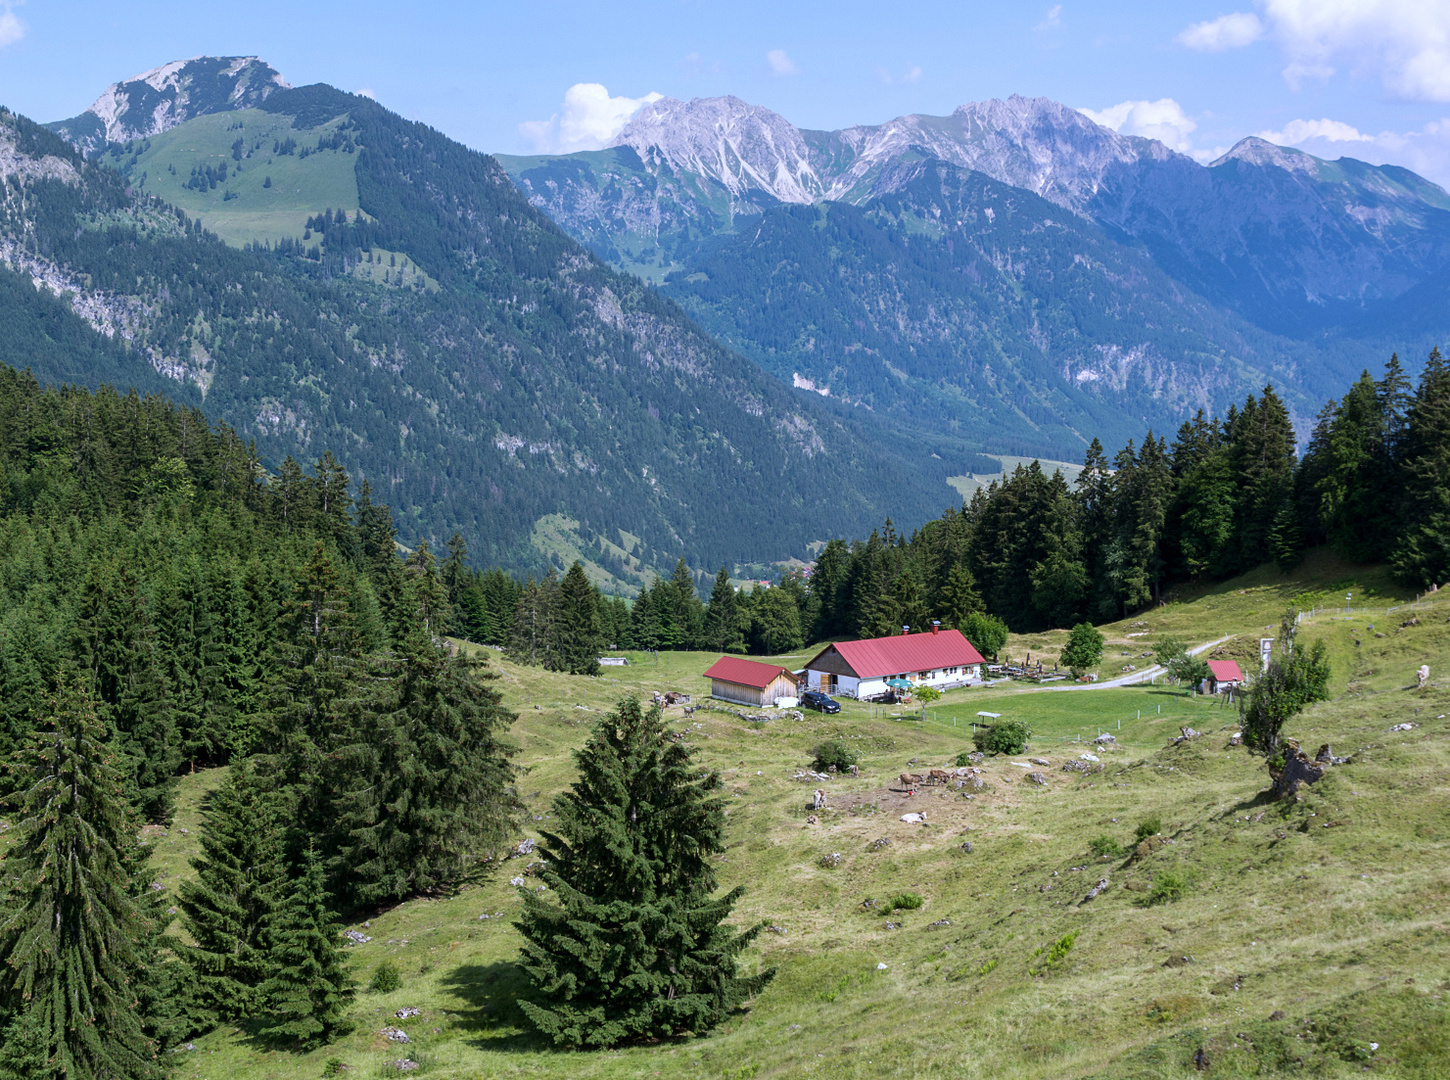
447	343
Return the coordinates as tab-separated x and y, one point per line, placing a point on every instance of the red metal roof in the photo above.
1226	670
906	653
747	672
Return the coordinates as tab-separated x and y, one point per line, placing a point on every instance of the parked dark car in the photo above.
814	699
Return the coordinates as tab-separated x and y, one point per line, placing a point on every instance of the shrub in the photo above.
1003	737
385	979
965	758
834	752
908	901
925	694
1105	846
1167	887
1149	827
1056	952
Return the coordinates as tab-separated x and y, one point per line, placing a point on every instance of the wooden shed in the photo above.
749	682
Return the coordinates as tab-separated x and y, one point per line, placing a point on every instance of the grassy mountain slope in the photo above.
495	375
271	184
1302	934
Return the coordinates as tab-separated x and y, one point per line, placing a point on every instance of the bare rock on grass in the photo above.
1037	778
1293	770
1096	891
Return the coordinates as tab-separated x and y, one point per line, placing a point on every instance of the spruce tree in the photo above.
576	627
235	892
67	938
1422	557
425	781
722	619
310	987
634	948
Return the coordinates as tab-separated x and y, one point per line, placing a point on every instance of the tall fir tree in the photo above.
70	922
1422	556
577	637
635	947
236	889
309	987
425	780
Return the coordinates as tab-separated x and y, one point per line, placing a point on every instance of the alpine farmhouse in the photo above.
941	659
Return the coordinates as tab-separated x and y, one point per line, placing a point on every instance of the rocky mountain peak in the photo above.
158	100
1256	151
740	145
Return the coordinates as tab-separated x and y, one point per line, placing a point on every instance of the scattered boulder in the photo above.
1096	891
524	847
939	924
1039	761
407	1012
1403	727
967	847
877	845
1103	740
397	1035
1087	757
517	882
976	757
777	930
357	937
812	820
1084	767
403	1065
1037	778
831	861
1236	739
1294	769
854	770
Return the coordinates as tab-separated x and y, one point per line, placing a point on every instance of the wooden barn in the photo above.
749	682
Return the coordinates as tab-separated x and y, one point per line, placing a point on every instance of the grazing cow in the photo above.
910	781
819	802
936	776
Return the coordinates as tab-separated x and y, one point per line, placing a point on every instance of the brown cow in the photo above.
910	780
936	776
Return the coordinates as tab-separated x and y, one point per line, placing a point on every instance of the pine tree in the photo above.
425	781
576	629
722	618
67	954
635	947
234	894
309	989
1422	557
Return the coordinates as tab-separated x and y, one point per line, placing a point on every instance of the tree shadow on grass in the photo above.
491	1014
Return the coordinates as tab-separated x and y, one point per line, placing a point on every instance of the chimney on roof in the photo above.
936	626
905	630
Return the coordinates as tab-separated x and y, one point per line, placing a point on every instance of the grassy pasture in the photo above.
300	187
1305	939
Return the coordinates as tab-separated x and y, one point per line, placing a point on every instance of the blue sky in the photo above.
1364	78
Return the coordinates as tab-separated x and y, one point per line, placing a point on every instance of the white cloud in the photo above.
1426	151
1226	32
588	120
1405	44
780	63
11	28
367	92
1052	21
1298	131
1163	120
910	75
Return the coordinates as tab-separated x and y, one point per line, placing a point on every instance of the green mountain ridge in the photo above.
512	377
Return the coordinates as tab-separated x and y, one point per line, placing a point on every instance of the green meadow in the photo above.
1246	938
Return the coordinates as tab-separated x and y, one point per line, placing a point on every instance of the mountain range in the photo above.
801	332
1133	284
386	294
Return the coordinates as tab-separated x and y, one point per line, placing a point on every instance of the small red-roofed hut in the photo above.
749	682
1223	675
